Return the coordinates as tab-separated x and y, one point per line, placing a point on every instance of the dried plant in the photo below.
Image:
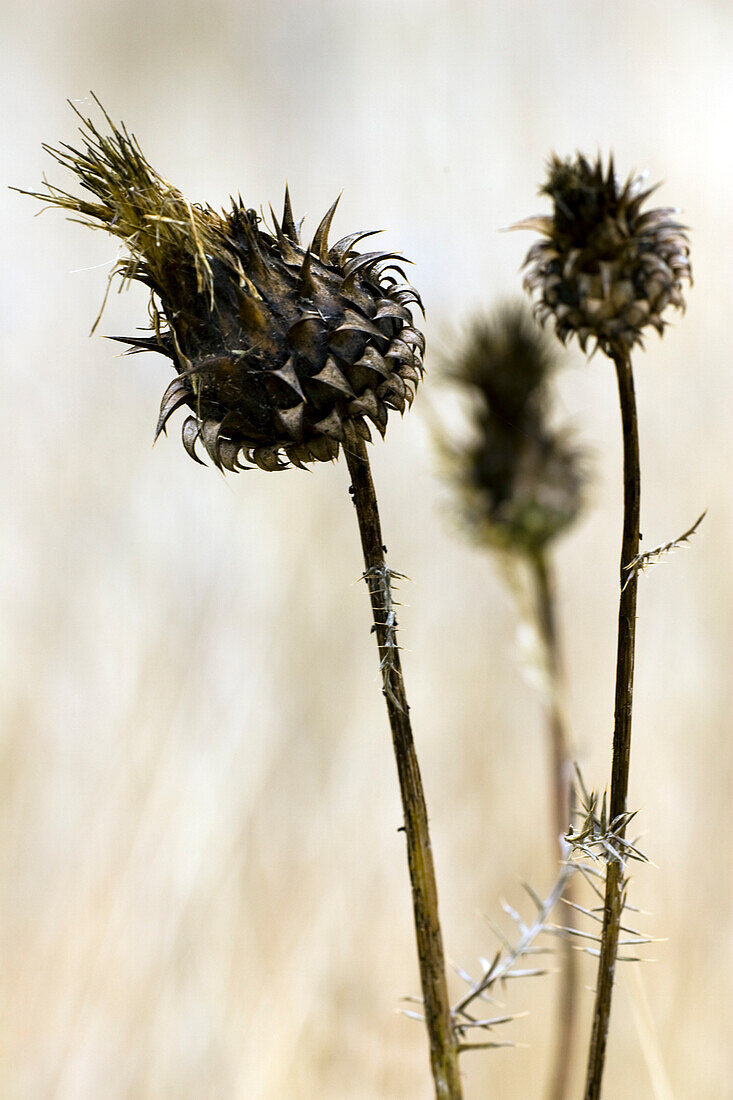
521	483
505	964
591	843
278	348
285	352
282	353
520	479
605	270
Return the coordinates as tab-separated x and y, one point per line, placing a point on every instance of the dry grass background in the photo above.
204	893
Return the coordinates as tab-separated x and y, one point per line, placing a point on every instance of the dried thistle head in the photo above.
521	480
604	269
276	346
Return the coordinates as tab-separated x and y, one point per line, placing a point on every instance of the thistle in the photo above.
522	483
277	346
521	480
282	353
605	270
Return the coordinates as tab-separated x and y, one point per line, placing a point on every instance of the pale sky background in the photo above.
203	891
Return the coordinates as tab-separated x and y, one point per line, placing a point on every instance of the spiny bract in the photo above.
605	270
521	480
277	346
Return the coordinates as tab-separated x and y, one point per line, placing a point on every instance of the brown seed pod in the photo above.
276	345
521	481
605	269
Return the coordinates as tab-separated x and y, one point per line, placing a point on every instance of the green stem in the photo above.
615	879
562	788
443	1046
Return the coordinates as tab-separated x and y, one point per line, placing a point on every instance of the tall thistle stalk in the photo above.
443	1045
282	353
624	695
604	271
561	767
561	770
521	484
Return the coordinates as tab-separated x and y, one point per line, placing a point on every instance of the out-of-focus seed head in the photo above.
604	270
277	346
521	481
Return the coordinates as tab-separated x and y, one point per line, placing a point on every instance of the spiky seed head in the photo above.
604	270
277	345
521	481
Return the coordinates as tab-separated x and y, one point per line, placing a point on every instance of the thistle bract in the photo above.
605	269
277	346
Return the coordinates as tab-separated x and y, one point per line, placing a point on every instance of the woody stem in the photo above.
443	1046
615	877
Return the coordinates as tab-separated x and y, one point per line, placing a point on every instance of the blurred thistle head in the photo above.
521	480
604	269
277	346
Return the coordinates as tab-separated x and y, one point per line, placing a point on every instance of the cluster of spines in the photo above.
276	346
377	381
605	270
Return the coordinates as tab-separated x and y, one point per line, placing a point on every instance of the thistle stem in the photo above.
443	1046
615	880
562	787
562	764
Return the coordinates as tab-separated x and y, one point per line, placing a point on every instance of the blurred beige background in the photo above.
203	891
